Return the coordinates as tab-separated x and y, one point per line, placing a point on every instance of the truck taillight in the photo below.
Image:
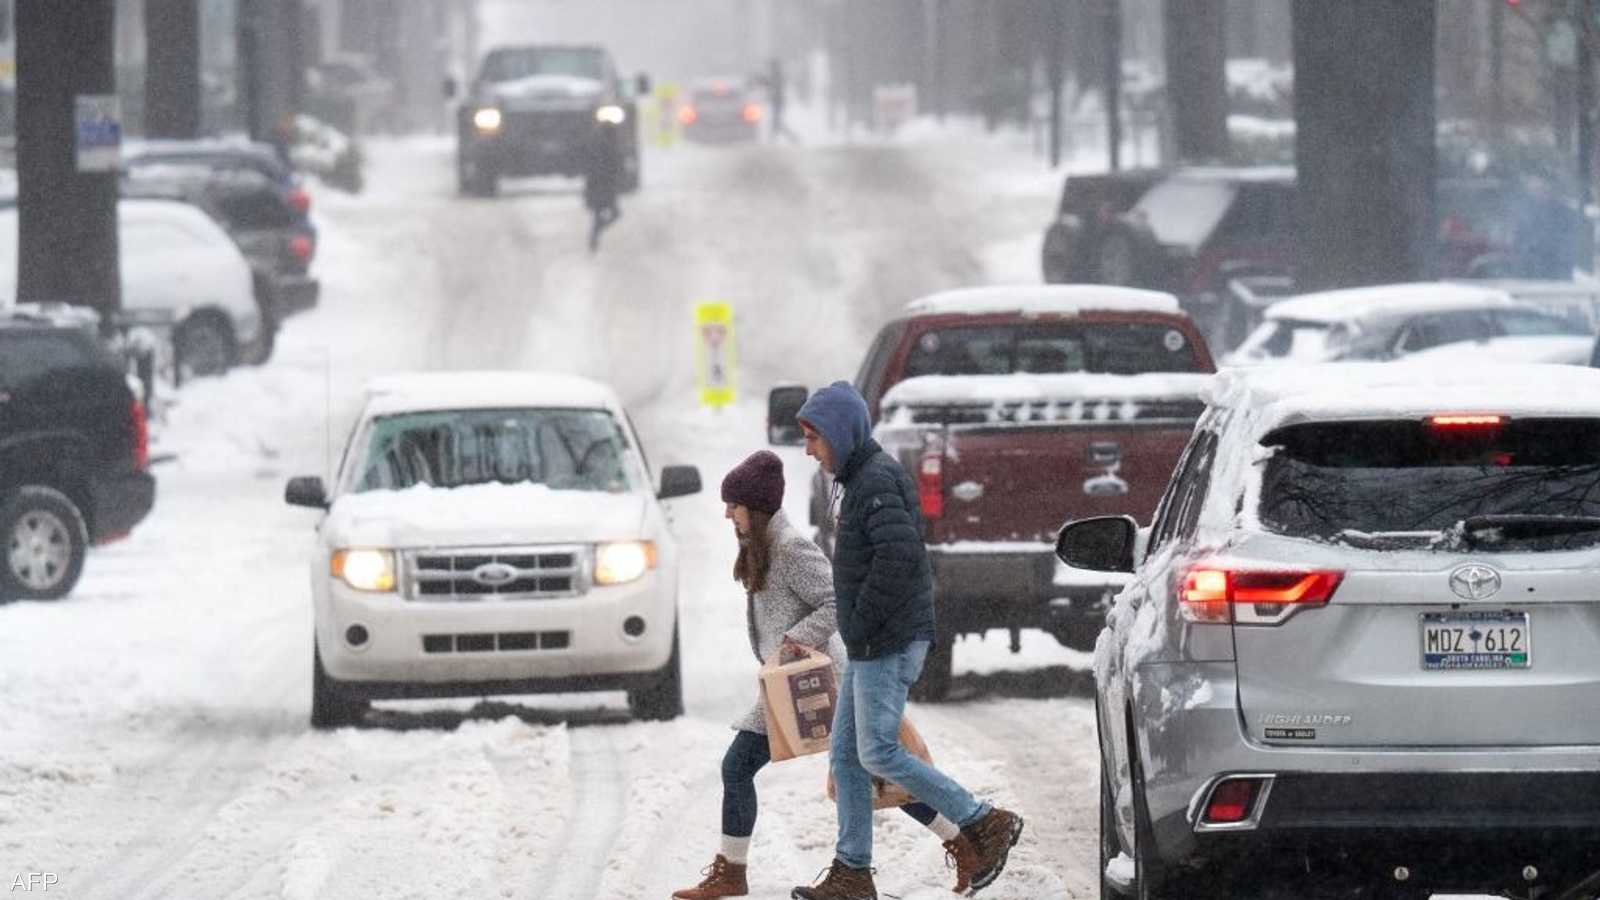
1253	598
752	113
139	432
687	115
300	200
302	247
930	486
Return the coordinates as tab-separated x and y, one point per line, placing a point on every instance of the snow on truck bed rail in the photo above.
933	390
1044	300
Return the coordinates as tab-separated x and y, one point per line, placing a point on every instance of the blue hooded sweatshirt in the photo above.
882	579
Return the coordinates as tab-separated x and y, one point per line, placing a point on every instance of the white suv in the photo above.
493	533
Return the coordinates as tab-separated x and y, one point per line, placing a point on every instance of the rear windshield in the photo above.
1183	212
1413	483
564	449
510	65
29	354
1052	349
1294	339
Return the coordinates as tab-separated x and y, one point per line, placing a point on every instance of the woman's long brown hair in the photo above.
755	554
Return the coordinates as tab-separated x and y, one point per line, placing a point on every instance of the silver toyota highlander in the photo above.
1360	650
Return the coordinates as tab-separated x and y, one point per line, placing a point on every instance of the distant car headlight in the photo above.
487	120
611	114
624	561
364	570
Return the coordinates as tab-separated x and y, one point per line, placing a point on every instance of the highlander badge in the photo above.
1475	582
494	574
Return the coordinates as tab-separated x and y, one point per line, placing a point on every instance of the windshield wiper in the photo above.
1386	540
1517	526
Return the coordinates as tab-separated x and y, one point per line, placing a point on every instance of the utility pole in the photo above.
1497	71
1197	88
271	64
1586	118
172	68
1113	80
1055	67
68	151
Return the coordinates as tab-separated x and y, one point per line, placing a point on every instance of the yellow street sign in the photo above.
714	356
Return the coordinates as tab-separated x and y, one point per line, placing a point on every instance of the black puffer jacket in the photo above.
882	579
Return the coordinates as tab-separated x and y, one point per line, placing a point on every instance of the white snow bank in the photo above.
1046	300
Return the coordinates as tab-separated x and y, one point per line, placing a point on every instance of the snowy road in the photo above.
155	740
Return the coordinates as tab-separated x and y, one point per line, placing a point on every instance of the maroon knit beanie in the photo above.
756	483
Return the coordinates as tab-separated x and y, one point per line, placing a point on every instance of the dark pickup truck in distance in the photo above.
1016	409
74	454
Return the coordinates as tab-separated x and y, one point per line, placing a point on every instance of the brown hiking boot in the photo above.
722	879
992	836
841	883
959	854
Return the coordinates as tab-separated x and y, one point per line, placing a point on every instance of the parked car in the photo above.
74	454
1414	321
343	89
1353	640
493	533
259	200
175	259
533	109
977	392
1089	205
720	110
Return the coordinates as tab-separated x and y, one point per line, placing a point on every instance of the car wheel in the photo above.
205	345
1079	636
1110	844
663	700
632	176
331	707
1055	259
476	178
934	684
1148	875
46	540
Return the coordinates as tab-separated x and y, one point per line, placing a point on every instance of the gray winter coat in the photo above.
797	601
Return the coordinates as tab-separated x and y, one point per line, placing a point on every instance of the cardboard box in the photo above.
799	698
886	793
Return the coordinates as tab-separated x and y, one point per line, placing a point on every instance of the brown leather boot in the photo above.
841	883
722	879
959	854
992	836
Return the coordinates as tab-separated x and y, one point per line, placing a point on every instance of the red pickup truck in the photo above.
1015	409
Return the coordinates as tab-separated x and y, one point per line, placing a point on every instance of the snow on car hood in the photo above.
543	91
1563	349
486	514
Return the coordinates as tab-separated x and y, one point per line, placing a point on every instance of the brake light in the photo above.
752	113
1253	597
687	115
1473	421
300	200
930	486
139	432
302	247
1231	801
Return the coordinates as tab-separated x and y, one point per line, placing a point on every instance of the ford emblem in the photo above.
494	574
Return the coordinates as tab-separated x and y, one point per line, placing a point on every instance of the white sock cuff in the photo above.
735	849
944	828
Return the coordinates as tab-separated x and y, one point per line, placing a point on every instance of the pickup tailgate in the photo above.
1018	456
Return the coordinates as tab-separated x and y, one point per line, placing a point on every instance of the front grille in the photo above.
501	573
542	125
1089	411
491	642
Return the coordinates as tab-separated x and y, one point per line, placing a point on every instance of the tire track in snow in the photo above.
574	866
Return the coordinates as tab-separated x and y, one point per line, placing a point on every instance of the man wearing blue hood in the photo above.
883	586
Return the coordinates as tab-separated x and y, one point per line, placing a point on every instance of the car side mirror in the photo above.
306	491
783	409
678	481
641	84
1101	544
450	87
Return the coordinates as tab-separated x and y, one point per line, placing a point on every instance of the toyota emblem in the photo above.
494	574
1475	582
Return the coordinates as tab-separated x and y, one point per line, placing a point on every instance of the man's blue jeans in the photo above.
866	742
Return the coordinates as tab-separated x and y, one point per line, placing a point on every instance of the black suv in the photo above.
256	198
534	110
74	454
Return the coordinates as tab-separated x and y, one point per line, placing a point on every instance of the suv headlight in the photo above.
623	561
611	114
487	120
364	570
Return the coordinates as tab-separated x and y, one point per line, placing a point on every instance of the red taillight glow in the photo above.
1217	595
300	200
302	247
930	486
752	113
139	431
1231	801
1473	421
687	115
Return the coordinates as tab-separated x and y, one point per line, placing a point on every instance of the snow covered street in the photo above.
156	740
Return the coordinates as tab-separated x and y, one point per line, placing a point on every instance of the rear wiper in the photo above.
1514	526
1385	540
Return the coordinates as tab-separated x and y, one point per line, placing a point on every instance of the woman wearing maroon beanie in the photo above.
788	601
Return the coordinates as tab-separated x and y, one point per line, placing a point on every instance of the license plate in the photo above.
1477	640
